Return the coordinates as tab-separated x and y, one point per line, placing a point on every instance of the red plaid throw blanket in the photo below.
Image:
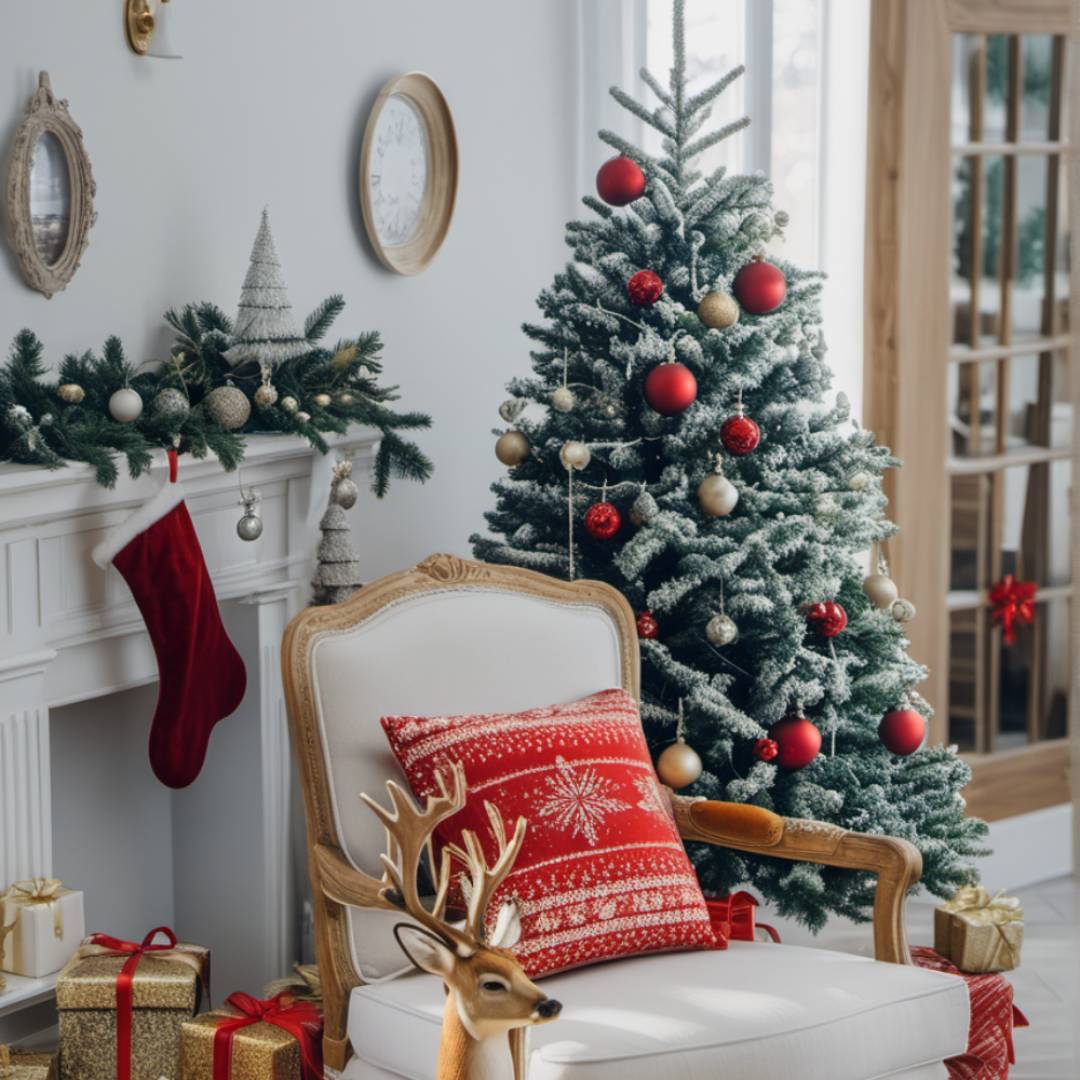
993	1017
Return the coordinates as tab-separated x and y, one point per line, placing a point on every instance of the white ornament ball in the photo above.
563	400
71	392
721	630
266	395
303	417
228	407
126	405
289	404
512	448
858	481
250	526
717	495
902	610
170	404
575	455
322	400
881	590
679	765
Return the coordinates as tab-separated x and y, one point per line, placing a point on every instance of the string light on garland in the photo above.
679	765
717	495
126	405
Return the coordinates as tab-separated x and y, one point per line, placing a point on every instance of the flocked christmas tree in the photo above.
684	454
264	329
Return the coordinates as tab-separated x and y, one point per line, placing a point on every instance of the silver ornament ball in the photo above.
170	404
575	455
512	448
250	526
902	610
228	407
721	630
679	765
881	590
717	495
125	405
562	399
345	493
289	404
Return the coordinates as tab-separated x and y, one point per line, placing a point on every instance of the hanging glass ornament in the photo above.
679	765
880	589
563	400
721	629
717	495
739	433
512	448
575	455
266	394
250	526
343	489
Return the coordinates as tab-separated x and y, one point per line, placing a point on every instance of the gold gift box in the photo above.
24	1065
978	932
165	993
260	1051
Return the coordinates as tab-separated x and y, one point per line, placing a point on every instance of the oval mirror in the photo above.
50	198
50	193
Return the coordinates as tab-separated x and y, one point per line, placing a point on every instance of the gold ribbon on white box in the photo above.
39	890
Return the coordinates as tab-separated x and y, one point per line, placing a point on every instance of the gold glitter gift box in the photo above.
978	932
24	1065
165	993
259	1052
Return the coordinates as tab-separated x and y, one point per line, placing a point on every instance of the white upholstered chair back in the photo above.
448	637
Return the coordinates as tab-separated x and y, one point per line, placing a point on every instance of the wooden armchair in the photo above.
454	636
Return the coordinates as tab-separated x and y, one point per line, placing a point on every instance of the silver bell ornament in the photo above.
250	526
343	489
721	630
126	405
170	405
563	400
575	455
717	495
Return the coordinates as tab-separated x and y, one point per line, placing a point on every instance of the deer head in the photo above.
488	994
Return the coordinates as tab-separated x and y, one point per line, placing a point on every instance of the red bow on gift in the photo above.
732	918
301	1019
1013	604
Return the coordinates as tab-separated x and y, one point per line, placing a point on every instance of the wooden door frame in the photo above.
908	321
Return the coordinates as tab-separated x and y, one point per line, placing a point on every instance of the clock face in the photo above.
398	171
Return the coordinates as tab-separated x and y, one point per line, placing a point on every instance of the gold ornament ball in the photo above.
881	590
575	455
512	448
717	495
322	400
562	400
721	630
289	404
303	417
902	610
71	392
345	493
718	311
265	396
346	398
228	407
126	405
857	481
679	765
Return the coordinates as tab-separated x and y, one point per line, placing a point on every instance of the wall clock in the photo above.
408	172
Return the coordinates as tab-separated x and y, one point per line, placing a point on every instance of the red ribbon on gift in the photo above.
732	917
301	1019
1013	604
125	982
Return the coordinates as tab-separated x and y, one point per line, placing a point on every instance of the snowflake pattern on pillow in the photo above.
602	872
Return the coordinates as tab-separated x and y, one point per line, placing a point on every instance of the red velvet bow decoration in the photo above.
125	983
301	1019
732	917
1013	604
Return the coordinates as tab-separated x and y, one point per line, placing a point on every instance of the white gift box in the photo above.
49	925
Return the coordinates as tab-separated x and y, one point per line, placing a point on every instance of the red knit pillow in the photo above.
602	872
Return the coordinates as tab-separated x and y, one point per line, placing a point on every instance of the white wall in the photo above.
269	106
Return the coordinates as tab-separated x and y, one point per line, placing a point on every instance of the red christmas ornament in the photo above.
644	288
739	434
647	626
602	521
766	749
799	742
760	287
1012	604
620	181
828	618
670	388
902	731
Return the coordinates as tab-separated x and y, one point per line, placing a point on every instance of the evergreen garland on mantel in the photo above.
321	390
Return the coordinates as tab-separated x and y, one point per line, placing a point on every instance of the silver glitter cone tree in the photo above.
337	573
678	341
264	330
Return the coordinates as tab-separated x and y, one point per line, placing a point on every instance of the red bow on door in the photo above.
1012	604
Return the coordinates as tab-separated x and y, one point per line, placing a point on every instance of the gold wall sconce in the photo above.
148	27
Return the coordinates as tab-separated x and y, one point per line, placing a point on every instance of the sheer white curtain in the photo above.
805	92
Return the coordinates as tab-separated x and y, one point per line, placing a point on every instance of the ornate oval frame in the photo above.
45	113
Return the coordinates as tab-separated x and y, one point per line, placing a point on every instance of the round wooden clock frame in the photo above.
440	191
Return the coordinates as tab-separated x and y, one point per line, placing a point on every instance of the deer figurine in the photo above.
488	995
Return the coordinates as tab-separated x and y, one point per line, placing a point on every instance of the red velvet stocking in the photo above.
201	676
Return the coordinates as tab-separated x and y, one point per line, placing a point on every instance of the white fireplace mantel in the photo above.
70	632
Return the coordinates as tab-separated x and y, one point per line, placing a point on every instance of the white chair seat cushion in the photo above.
755	1012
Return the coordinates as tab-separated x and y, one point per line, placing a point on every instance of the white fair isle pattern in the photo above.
602	872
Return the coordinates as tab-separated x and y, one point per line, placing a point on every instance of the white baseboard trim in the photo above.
1029	848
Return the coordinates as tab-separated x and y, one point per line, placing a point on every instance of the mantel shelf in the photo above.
21	993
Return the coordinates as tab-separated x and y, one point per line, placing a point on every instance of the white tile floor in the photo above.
1047	982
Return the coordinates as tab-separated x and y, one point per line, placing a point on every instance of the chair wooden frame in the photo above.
896	863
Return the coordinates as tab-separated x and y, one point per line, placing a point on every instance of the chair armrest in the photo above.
897	863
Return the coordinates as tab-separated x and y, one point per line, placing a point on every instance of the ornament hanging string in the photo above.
570	519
